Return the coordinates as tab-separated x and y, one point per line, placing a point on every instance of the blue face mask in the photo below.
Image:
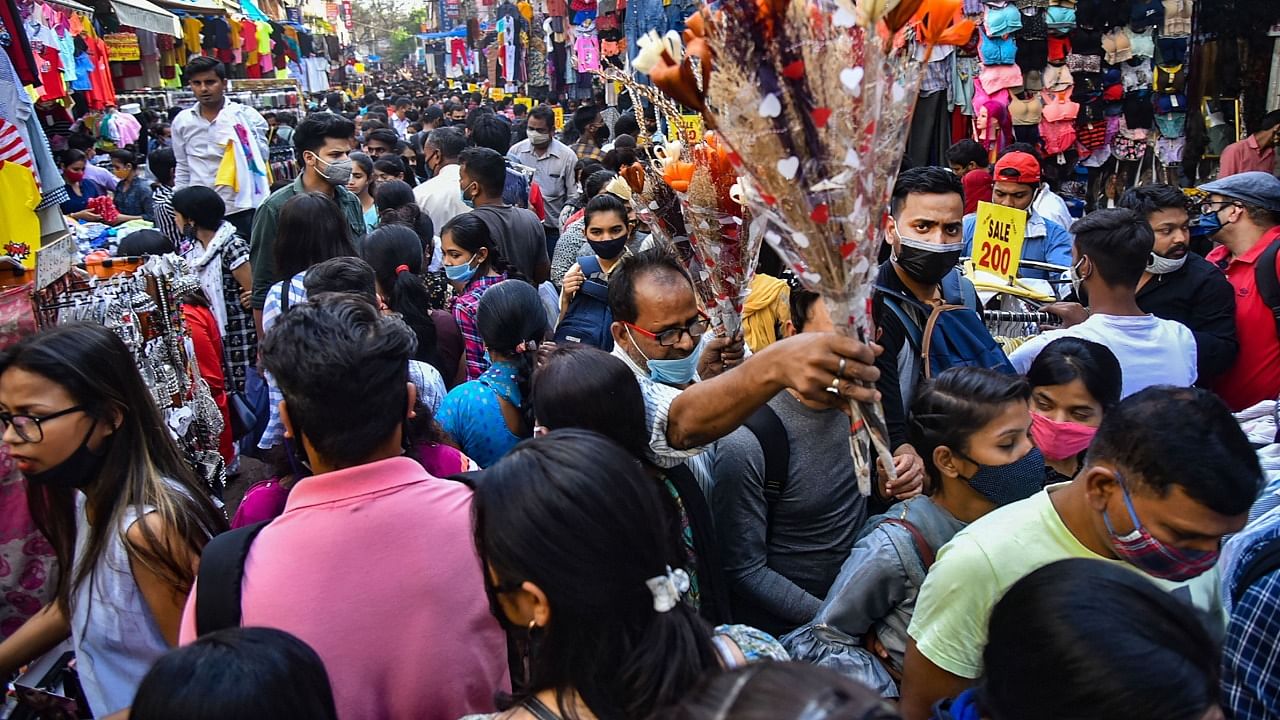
1207	225
466	200
460	273
673	372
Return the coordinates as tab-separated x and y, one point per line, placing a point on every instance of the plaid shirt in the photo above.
464	311
1251	657
585	149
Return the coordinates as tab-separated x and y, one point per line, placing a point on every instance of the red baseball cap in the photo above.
1018	167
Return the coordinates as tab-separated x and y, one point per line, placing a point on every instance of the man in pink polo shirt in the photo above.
373	562
1256	152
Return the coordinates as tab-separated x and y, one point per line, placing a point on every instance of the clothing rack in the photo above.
144	309
1039	318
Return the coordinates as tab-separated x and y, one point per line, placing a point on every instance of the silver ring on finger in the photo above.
834	387
840	368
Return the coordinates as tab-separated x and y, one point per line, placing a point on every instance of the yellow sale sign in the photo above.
559	113
997	239
496	94
690	131
526	102
472	87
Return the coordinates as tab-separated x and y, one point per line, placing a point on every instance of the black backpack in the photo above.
220	577
1264	274
765	424
589	316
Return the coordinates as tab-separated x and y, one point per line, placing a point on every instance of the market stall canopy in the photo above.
196	7
72	5
144	15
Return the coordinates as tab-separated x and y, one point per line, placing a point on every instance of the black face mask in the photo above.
609	249
601	135
926	262
77	471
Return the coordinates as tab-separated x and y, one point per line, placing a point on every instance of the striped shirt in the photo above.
14	150
274	434
162	207
465	307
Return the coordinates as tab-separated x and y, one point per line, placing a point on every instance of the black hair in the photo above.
930	180
310	229
584	116
1022	147
403	102
342	275
948	409
476	113
80	141
343	368
141	465
967	151
395	253
202	64
470	233
162	165
1068	358
582	386
781	691
144	242
366	164
71	156
1086	638
384	136
511	321
519	110
620	156
201	205
594	183
126	157
390	165
545	114
657	261
801	302
1118	242
1148	199
626	125
604	203
396	205
238	672
316	128
1164	436
333	101
604	641
432	114
487	168
449	141
1268	121
493	132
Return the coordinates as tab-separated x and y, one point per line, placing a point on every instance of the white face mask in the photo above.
1161	265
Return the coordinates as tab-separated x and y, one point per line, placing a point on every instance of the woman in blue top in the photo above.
487	416
79	189
362	185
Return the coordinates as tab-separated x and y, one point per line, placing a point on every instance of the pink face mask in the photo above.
1060	440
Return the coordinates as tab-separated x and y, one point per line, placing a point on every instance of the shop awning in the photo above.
72	5
144	15
252	11
196	7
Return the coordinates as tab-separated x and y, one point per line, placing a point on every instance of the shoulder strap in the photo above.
1264	273
590	265
772	435
221	572
540	711
922	545
596	286
1261	563
928	334
891	300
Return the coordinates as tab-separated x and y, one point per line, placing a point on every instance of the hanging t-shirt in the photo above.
191	28
317	71
49	65
83	68
67	53
587	49
18	200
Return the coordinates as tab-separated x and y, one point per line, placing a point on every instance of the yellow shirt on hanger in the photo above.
191	34
18	200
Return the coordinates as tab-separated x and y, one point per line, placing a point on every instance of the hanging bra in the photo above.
1001	21
1026	112
997	51
1062	19
1059	48
1057	77
999	77
1177	18
1172	124
1057	136
1170	79
1117	47
1058	106
1142	43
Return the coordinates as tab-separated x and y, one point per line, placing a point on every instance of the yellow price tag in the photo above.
497	94
559	113
689	132
472	87
526	102
453	84
997	239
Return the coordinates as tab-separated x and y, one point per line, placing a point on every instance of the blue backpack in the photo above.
954	334
589	316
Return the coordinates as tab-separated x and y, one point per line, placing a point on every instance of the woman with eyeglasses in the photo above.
587	574
125	515
487	416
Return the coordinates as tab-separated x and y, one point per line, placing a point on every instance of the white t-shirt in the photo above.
1151	351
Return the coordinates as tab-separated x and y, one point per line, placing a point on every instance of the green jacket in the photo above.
263	241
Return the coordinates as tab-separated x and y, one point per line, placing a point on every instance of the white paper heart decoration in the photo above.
852	160
812	278
772	237
851	78
800	239
844	18
899	92
789	167
770	107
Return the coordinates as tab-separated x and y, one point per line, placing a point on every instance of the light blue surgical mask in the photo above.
460	273
672	372
469	202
